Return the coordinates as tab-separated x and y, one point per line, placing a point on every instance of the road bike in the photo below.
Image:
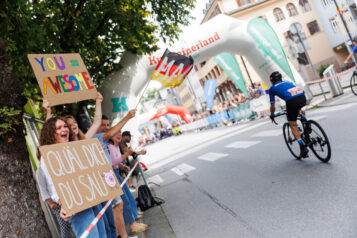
353	82
311	133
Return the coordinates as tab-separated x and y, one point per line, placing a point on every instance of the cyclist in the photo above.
295	99
354	51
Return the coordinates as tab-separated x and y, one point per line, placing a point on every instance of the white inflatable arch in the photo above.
221	34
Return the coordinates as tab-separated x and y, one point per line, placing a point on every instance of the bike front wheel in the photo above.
319	143
353	84
291	142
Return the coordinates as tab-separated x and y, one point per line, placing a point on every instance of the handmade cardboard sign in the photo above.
63	78
81	174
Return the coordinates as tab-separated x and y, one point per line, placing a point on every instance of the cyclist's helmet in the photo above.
275	77
354	39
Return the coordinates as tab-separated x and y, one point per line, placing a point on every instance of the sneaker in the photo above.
304	152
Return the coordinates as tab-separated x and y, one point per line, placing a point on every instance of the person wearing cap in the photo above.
354	51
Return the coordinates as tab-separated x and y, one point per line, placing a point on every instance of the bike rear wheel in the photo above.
353	84
319	143
291	142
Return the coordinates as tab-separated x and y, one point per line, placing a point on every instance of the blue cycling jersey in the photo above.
285	91
354	49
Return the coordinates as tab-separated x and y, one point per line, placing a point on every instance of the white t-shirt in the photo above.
51	187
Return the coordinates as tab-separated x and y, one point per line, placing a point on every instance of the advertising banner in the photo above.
210	91
269	43
230	66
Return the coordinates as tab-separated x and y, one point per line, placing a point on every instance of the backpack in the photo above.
145	199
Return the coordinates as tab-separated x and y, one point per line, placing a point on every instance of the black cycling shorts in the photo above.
293	107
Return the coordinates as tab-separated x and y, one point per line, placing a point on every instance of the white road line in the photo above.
156	179
203	145
268	133
212	156
182	169
242	144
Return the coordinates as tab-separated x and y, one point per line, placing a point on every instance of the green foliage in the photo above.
100	30
322	68
8	119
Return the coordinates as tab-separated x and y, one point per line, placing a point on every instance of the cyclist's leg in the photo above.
294	130
293	108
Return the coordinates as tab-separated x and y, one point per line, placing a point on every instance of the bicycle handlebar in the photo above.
277	114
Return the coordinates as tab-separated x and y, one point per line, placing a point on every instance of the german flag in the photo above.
172	69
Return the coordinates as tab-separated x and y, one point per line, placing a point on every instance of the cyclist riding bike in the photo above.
354	51
295	99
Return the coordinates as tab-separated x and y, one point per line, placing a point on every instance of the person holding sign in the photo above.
105	133
56	130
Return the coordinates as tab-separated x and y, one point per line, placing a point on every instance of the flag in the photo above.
172	69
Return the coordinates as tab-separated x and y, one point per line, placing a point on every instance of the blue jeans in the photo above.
108	218
130	211
81	220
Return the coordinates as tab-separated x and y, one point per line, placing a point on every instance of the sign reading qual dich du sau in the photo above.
81	174
63	78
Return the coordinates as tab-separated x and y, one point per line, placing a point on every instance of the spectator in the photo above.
117	159
56	130
130	211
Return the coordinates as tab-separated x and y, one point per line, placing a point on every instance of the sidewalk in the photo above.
160	225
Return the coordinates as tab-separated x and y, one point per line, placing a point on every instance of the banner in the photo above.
230	66
172	69
63	78
269	43
210	91
81	174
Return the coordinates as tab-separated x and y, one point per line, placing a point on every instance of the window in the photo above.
325	3
244	2
313	27
278	14
304	6
291	9
334	24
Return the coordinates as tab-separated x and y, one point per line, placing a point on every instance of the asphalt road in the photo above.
241	181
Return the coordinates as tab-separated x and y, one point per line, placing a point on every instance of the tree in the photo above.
100	30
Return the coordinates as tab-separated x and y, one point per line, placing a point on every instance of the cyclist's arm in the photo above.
348	58
272	109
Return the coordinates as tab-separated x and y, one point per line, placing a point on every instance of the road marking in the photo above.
212	156
203	145
242	144
182	169
156	179
268	133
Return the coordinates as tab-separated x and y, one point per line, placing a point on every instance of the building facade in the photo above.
281	15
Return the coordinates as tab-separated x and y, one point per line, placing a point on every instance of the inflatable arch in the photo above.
255	40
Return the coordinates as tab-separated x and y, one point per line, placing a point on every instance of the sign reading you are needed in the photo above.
81	174
63	78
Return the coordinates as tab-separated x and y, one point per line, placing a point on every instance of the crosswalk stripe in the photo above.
242	144
212	156
268	133
156	179
182	169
